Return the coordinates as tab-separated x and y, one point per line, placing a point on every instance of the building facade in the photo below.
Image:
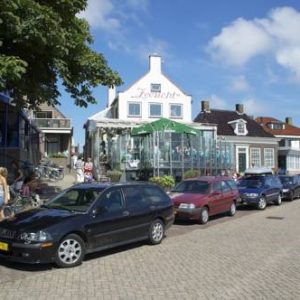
19	138
57	131
251	144
289	142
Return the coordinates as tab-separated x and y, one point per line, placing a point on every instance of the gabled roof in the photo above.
222	117
288	128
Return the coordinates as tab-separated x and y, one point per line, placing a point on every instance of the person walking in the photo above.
79	170
88	170
4	191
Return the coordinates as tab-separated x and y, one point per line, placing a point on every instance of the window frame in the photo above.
154	90
181	110
252	150
161	109
273	157
128	109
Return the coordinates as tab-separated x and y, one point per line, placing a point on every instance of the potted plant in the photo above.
114	175
191	174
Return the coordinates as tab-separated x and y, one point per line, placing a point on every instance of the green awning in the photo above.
163	125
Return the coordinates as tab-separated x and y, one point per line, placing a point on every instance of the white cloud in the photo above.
152	46
218	103
99	14
277	35
254	107
138	4
239	84
239	42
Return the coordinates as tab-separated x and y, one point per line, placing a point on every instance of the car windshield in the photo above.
286	179
74	199
250	183
192	186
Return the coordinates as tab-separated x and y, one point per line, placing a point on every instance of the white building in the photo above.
151	97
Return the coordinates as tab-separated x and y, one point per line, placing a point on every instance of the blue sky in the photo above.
227	52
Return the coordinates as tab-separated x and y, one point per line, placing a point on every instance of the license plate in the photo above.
3	246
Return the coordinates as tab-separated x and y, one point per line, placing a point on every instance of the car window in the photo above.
75	199
111	201
232	184
135	198
217	186
155	195
192	186
225	187
250	183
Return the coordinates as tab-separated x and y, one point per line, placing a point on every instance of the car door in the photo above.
228	196
141	212
215	198
270	188
108	220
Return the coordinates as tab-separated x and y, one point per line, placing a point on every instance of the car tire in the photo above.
70	251
291	198
278	200
262	204
232	210
156	232
204	216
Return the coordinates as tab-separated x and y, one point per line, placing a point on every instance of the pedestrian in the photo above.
88	170
4	191
18	176
79	170
73	160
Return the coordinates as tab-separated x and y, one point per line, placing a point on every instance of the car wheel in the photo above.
70	252
232	210
278	200
291	198
203	215
262	203
156	232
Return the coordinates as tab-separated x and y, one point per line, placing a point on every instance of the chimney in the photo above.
111	95
155	63
205	106
289	120
239	108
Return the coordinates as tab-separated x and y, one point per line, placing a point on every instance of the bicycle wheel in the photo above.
8	211
54	175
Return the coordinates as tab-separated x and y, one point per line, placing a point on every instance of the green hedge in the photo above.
165	182
191	174
114	175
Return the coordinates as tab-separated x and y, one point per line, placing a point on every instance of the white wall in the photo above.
140	92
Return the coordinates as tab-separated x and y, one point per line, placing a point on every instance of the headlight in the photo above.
251	195
40	236
286	190
187	205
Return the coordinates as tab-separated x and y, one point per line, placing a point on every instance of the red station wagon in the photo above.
198	198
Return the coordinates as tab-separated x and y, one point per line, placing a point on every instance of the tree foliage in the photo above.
42	42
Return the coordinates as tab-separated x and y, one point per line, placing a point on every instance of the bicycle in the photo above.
21	203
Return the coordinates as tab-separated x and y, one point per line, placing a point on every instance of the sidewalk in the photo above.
48	188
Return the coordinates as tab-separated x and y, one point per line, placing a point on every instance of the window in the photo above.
255	159
232	184
269	157
155	196
225	187
43	114
176	110
135	199
155	110
155	87
112	201
241	128
134	109
217	186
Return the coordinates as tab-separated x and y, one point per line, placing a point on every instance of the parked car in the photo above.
86	218
260	190
291	187
199	198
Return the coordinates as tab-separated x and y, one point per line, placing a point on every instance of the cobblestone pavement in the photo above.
255	256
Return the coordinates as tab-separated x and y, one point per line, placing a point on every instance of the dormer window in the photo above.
239	126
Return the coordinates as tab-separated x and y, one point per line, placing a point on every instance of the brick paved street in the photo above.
249	256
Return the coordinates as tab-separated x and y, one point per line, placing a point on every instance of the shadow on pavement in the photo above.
26	267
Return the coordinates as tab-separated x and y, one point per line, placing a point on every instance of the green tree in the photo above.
42	42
